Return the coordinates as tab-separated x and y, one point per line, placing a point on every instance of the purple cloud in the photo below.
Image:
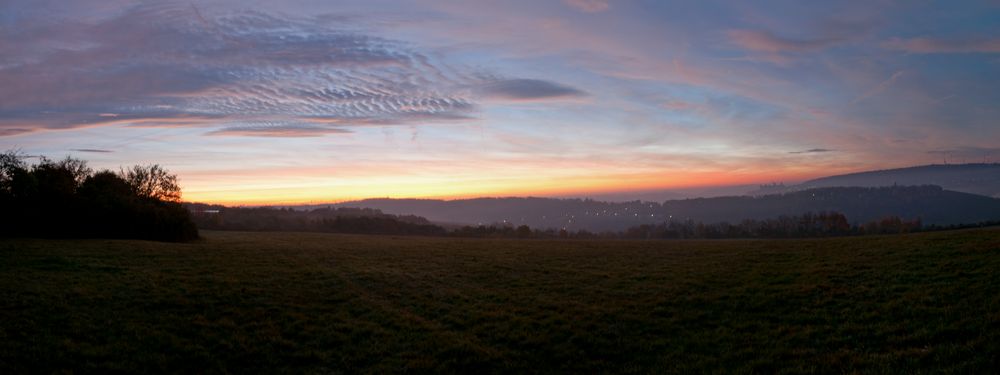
932	45
166	64
529	89
264	129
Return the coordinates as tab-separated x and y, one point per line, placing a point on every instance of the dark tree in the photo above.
523	231
66	199
11	164
152	181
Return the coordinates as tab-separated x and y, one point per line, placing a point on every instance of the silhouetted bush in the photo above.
65	198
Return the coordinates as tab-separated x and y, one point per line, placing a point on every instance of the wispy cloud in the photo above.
92	150
680	105
882	86
936	45
589	6
812	151
278	130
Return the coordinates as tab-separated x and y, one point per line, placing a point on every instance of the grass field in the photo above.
321	303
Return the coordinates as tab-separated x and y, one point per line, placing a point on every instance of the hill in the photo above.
250	302
660	195
975	178
982	179
933	205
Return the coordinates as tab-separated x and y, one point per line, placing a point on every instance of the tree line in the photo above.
373	221
331	220
67	199
808	225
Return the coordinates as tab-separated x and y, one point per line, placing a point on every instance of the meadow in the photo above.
237	302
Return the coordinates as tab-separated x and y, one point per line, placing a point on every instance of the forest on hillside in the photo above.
328	219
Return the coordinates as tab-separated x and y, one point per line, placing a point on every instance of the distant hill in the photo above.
660	195
982	179
932	204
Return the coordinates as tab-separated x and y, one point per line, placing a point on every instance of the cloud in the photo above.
6	132
529	89
277	130
92	150
167	64
932	45
880	87
589	6
812	151
764	41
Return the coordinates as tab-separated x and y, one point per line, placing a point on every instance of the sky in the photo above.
306	101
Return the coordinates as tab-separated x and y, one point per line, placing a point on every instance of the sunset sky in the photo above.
253	102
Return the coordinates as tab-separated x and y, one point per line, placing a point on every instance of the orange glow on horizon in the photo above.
333	191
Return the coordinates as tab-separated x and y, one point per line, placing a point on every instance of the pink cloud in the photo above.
933	45
763	41
15	131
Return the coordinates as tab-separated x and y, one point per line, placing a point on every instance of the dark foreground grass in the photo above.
320	303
